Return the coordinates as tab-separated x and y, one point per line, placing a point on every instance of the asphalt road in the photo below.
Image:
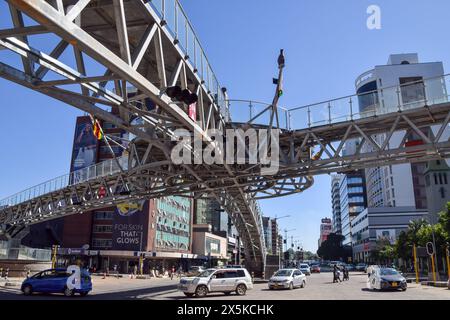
319	287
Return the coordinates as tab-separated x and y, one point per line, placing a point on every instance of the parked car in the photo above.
361	267
287	279
385	279
55	281
224	280
350	267
195	271
304	268
315	268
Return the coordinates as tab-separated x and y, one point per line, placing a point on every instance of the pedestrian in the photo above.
336	274
172	272
346	276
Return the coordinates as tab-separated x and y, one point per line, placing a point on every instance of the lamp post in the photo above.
286	237
279	249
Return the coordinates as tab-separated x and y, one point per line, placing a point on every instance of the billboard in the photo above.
84	152
386	235
130	226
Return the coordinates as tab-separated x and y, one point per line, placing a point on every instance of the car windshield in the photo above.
283	273
388	272
206	273
304	266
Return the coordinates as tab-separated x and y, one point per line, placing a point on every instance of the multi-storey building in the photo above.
336	203
380	224
353	200
325	229
402	184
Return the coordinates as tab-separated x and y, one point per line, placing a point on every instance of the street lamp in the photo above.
278	230
285	236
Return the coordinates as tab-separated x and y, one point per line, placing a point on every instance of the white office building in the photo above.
401	185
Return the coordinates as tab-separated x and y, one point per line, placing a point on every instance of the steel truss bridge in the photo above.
97	49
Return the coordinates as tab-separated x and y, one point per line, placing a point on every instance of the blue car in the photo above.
55	281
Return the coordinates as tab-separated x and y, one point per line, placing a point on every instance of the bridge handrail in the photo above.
102	169
189	45
384	100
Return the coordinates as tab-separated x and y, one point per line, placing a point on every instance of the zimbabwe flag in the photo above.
98	132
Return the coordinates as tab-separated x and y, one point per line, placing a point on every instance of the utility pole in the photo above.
276	240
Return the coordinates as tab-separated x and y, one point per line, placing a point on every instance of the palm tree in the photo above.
413	229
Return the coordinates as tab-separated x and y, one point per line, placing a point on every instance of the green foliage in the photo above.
419	233
332	248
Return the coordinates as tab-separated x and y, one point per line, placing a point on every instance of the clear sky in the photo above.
327	45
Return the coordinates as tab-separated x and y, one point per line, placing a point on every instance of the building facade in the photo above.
326	227
352	201
336	203
402	184
376	224
437	181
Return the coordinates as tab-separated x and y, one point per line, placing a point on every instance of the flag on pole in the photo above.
97	130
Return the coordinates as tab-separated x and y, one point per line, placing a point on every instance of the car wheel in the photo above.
291	286
403	289
189	295
68	292
303	284
84	293
27	290
201	291
241	290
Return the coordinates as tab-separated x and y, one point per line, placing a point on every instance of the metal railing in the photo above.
175	19
384	100
102	169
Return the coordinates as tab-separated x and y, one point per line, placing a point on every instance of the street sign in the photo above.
430	248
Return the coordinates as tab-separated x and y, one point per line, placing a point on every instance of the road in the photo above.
319	287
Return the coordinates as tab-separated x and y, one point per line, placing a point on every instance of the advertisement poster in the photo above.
84	152
383	235
130	227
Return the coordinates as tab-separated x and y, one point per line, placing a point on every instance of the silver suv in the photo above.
226	280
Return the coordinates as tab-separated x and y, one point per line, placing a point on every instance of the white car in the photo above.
385	279
287	279
217	280
305	268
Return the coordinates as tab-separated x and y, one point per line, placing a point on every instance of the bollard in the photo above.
28	273
253	276
1	272
6	274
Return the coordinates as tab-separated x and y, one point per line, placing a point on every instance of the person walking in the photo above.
345	276
172	272
336	274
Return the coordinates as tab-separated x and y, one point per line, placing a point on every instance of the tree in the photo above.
402	247
384	252
332	249
444	221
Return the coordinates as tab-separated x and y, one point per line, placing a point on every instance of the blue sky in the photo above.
327	45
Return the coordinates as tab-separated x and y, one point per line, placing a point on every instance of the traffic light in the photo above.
185	95
430	248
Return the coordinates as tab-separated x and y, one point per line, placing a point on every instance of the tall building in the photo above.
353	200
325	229
402	184
336	203
437	181
267	228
